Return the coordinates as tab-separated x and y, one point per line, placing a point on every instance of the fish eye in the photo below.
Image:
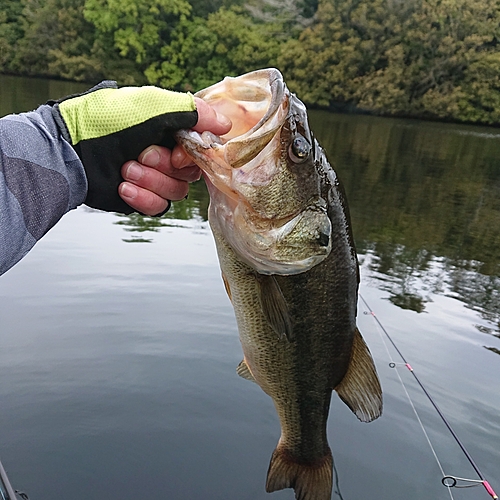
299	149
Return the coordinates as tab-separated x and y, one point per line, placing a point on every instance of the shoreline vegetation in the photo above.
425	59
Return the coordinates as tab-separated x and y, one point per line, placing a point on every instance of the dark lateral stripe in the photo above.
43	194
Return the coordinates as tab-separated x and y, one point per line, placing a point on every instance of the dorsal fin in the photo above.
360	388
274	306
244	372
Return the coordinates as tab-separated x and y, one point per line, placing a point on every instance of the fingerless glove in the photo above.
108	126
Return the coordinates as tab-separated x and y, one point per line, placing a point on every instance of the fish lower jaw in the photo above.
281	268
272	249
263	258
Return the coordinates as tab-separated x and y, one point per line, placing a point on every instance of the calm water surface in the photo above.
118	346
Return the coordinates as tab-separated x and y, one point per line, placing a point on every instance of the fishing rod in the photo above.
448	481
6	490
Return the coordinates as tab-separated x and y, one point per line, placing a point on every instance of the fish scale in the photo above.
289	266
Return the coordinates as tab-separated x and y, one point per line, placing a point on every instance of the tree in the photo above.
54	33
322	64
446	62
10	30
139	27
202	51
428	58
480	92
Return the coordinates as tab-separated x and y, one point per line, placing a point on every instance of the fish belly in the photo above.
300	342
299	374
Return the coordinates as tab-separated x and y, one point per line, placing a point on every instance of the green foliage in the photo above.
202	8
440	44
429	58
424	58
10	30
138	26
205	51
52	39
480	97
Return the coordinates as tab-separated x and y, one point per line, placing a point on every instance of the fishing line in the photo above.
448	481
393	364
428	439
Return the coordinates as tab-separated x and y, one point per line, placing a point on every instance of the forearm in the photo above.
41	178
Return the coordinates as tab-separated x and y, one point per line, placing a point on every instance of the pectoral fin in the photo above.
360	388
244	372
274	306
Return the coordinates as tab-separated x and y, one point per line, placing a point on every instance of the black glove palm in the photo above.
108	126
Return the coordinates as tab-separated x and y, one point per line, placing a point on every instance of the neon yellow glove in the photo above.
108	126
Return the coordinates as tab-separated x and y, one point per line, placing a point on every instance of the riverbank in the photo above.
54	84
422	59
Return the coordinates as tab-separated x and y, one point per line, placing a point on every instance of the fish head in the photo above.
265	175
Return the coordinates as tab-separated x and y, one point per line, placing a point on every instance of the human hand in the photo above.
109	127
160	175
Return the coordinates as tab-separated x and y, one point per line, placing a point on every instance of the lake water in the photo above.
118	345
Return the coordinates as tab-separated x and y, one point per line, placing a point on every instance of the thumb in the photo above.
209	119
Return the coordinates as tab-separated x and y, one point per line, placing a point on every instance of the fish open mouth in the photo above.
257	105
248	168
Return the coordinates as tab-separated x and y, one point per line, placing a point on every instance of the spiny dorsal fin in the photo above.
360	388
244	372
274	306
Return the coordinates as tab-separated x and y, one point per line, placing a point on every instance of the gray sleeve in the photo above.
41	178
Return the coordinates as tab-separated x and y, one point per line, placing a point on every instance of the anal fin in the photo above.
226	286
360	388
244	372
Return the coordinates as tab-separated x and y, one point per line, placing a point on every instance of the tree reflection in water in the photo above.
425	206
195	206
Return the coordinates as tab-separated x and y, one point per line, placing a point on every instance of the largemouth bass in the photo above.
281	225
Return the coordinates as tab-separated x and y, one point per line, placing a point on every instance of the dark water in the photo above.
118	346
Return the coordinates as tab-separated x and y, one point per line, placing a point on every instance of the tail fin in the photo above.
310	482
